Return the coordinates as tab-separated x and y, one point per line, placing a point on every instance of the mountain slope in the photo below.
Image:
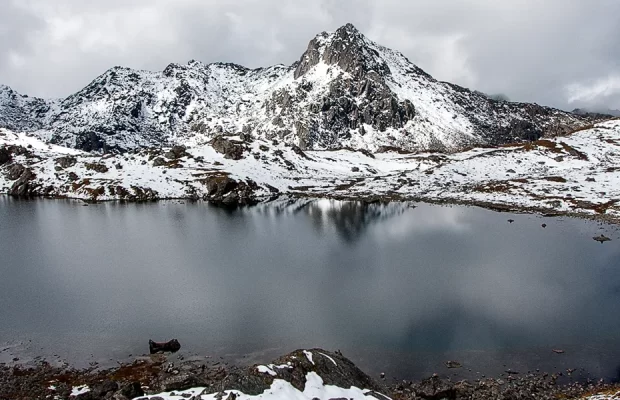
345	91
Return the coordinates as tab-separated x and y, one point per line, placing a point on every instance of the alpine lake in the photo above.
398	288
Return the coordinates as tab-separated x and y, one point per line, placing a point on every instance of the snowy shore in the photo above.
578	174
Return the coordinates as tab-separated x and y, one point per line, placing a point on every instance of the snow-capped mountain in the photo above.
345	91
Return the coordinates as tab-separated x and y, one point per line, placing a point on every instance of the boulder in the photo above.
5	156
97	167
231	150
15	171
22	186
66	162
225	190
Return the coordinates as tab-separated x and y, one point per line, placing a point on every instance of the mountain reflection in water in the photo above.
396	288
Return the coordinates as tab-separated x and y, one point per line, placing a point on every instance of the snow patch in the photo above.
309	356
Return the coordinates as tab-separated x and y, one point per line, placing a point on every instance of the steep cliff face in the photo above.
345	91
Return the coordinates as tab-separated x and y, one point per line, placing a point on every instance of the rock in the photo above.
435	388
14	172
590	179
176	152
601	239
230	149
225	190
511	171
66	161
453	364
5	156
101	390
300	152
97	167
511	221
72	176
355	169
22	186
171	346
132	390
159	162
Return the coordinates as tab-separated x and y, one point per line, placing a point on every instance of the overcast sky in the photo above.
564	53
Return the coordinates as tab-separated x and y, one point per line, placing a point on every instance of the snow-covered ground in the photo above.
279	390
579	173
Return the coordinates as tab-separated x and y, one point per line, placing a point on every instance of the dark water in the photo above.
397	289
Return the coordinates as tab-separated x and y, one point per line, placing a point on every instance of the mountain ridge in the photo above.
344	91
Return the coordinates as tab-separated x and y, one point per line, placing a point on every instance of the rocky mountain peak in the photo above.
347	48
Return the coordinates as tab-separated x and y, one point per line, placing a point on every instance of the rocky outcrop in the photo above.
5	156
225	190
231	149
22	186
14	172
66	162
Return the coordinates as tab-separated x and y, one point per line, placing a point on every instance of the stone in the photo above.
14	172
97	167
22	186
132	390
66	161
159	162
5	156
230	149
171	346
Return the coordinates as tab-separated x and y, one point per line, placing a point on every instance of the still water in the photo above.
397	288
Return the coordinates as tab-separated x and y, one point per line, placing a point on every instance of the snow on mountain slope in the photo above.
345	91
578	173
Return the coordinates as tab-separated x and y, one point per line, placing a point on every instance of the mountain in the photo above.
598	113
345	91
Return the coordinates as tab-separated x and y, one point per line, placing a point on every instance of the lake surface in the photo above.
397	288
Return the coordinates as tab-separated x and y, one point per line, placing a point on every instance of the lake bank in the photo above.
313	373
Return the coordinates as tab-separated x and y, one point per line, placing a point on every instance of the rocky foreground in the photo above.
302	374
577	174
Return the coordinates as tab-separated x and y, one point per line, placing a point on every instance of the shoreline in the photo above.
491	206
160	374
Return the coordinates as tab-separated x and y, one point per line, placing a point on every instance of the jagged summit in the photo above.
346	48
345	91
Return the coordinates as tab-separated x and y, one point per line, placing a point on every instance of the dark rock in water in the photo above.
511	221
230	149
171	346
15	171
601	239
5	156
22	186
225	190
66	162
453	364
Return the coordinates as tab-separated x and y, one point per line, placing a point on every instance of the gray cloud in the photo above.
559	53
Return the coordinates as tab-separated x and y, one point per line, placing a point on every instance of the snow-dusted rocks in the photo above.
578	173
345	91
